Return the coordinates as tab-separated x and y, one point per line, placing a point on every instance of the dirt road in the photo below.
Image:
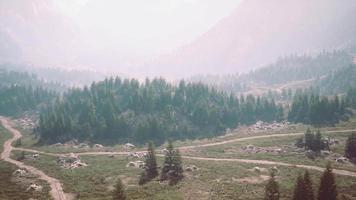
56	187
257	162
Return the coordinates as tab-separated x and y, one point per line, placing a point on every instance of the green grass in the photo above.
12	188
213	180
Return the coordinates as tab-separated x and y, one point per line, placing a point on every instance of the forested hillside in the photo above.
117	111
296	68
309	108
16	99
285	70
338	81
9	78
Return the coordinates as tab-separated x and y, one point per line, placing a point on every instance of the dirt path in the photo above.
56	187
257	137
257	162
266	162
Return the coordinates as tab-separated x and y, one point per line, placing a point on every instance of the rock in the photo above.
98	146
136	164
311	154
129	146
20	172
279	150
342	160
257	169
36	155
188	169
274	169
250	147
191	168
34	187
83	145
57	145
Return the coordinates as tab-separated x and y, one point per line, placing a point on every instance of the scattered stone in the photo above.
98	146
71	162
137	154
36	155
274	169
83	145
257	169
342	160
57	144
311	154
20	172
191	168
129	146
34	187
136	164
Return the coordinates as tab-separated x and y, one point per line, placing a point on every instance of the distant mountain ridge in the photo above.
259	32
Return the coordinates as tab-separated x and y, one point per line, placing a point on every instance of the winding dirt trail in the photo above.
58	193
56	188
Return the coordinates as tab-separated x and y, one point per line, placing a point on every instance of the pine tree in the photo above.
299	189
308	184
172	169
350	149
309	139
317	146
151	171
327	189
119	192
272	189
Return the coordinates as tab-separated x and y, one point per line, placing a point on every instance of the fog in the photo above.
171	38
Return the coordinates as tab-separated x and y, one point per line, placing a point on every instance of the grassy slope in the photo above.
12	188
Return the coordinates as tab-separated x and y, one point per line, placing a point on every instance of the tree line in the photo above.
16	99
125	110
303	189
313	109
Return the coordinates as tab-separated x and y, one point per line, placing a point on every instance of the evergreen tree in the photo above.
309	191
272	189
317	143
151	171
119	191
350	149
299	189
172	169
309	139
327	189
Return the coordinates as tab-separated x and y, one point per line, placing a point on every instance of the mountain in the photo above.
35	32
259	32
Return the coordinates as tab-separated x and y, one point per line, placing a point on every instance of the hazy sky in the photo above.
144	27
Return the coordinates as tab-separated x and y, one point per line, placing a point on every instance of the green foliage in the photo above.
299	192
327	188
351	96
303	188
119	191
172	169
312	109
314	141
272	189
16	99
289	69
308	187
338	80
350	148
118	111
151	171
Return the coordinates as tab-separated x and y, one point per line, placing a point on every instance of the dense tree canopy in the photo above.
117	110
316	110
16	99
